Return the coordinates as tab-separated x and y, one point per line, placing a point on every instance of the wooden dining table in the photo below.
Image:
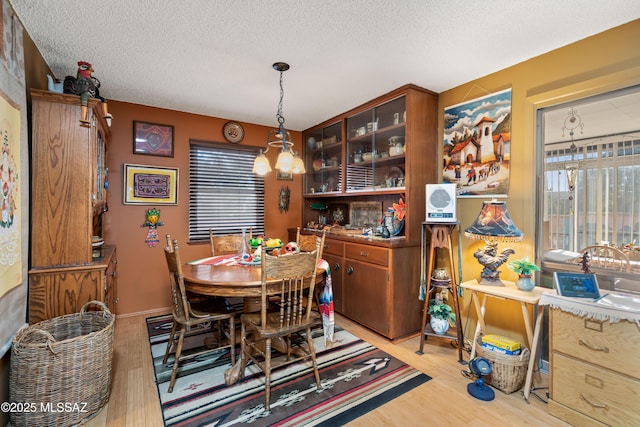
224	280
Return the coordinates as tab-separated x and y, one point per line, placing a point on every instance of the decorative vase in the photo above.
525	283
439	326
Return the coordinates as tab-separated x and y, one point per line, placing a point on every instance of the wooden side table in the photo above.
510	292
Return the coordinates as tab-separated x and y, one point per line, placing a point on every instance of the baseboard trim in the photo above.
147	313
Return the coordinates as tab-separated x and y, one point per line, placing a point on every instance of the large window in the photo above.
591	174
224	194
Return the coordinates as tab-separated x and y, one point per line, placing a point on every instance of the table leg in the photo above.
480	309
534	353
527	324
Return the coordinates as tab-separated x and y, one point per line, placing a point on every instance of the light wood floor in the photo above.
443	401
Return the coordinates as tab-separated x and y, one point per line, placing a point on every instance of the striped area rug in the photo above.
356	378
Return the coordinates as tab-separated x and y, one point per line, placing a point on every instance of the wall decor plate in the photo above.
233	132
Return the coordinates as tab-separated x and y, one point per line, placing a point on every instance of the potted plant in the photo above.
524	268
441	316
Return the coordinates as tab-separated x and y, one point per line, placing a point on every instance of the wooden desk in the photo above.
510	292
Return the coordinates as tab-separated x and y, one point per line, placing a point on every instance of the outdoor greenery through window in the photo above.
594	145
224	194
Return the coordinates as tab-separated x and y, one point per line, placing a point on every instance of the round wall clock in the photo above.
233	132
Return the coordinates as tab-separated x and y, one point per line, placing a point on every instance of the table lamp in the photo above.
493	225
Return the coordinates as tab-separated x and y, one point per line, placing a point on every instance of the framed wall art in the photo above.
150	185
152	139
477	145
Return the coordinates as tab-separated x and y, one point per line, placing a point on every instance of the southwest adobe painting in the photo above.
477	145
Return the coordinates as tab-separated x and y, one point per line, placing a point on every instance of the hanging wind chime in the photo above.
571	123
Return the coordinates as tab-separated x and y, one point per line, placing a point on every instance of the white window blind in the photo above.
606	205
224	194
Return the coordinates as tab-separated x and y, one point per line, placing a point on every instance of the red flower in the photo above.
399	209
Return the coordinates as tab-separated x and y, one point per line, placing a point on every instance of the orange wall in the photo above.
143	283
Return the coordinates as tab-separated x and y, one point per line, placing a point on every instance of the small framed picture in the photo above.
150	185
284	176
152	139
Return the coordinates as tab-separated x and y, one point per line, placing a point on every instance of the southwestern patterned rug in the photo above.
356	377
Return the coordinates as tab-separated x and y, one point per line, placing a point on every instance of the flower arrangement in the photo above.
522	266
399	209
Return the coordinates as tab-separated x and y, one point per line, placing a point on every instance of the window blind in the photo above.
224	193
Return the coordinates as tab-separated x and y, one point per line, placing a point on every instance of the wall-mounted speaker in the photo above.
441	203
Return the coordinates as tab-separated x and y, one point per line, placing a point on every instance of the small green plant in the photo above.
522	266
441	310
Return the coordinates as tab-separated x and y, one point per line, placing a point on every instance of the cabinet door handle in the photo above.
113	274
349	270
593	347
336	266
365	254
594	405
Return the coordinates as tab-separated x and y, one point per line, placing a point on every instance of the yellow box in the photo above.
501	342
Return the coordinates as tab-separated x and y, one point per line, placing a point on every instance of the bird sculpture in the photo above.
87	86
489	259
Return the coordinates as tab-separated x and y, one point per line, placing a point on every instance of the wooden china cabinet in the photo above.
358	164
69	265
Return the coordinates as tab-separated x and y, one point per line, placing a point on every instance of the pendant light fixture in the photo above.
288	161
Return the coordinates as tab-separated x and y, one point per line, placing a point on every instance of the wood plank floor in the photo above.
443	401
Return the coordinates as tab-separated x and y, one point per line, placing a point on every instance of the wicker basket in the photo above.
508	371
61	367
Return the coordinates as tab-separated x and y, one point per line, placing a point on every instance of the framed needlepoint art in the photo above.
152	139
150	185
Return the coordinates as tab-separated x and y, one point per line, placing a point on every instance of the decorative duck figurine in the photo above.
54	85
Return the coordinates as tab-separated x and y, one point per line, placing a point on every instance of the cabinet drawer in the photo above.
594	391
613	345
333	247
372	254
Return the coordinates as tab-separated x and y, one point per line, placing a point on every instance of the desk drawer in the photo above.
372	254
333	247
615	346
591	390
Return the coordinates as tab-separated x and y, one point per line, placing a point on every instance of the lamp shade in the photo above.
494	223
261	164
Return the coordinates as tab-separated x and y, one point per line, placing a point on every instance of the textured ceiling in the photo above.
214	57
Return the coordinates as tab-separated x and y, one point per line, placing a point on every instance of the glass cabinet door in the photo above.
375	148
323	159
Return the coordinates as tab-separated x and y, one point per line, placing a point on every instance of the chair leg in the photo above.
176	362
170	343
267	374
312	352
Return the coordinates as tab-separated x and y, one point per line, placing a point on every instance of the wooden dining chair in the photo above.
294	274
307	243
226	244
609	257
193	317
